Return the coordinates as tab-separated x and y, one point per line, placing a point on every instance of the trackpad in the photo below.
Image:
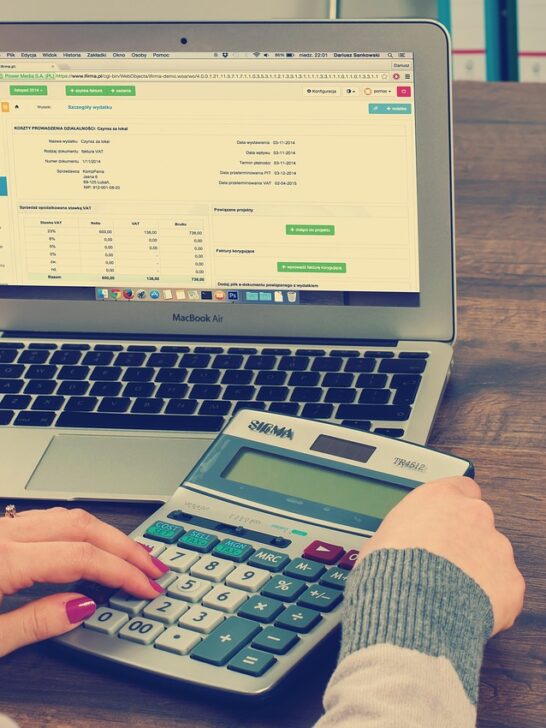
96	466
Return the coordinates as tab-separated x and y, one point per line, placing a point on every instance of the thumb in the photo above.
43	618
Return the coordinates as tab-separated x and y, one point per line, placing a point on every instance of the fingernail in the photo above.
79	609
156	586
163	568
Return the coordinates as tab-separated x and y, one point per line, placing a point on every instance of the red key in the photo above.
326	553
348	561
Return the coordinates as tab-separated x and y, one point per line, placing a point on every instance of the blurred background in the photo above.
494	40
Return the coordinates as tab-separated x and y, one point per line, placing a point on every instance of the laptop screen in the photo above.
282	178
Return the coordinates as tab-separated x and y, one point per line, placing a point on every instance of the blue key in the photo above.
251	662
321	598
304	569
298	619
198	541
276	640
233	550
270	560
283	588
164	532
261	609
335	577
225	641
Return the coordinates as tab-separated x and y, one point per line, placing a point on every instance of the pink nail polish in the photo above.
163	568
145	546
79	609
156	586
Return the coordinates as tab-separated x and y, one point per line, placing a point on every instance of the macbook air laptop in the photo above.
201	217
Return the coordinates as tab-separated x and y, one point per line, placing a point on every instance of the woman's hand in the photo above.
61	545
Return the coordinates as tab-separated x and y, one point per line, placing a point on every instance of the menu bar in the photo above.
162	55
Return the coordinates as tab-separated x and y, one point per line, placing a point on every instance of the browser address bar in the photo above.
200	76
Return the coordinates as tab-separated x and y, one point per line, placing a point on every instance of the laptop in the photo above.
201	217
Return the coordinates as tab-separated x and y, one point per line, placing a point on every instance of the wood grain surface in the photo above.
493	413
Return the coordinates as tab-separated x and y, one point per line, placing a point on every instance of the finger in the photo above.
463	485
76	524
43	618
24	564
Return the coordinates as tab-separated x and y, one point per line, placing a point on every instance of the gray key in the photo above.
127	603
179	641
166	580
165	609
143	631
106	620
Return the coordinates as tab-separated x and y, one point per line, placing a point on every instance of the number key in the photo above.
212	568
165	610
200	619
142	631
106	620
227	600
127	603
283	588
178	560
247	578
189	589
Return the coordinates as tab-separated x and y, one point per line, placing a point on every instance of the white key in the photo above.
153	548
227	600
127	603
165	609
166	579
141	630
201	619
248	578
189	589
106	620
178	560
179	641
212	568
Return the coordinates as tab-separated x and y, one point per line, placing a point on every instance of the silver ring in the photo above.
10	511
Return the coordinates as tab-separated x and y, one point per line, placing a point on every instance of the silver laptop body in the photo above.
278	193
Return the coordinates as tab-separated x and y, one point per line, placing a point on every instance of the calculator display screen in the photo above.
317	483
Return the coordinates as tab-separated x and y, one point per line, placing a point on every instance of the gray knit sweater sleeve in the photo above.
414	630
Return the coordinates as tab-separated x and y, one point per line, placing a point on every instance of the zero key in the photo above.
326	553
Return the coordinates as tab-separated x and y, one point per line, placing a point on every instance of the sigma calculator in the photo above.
260	539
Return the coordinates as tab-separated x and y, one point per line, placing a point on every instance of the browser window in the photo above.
260	177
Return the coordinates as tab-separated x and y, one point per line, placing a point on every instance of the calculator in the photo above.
260	539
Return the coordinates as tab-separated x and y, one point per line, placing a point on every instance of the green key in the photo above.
335	577
252	662
198	541
225	641
270	560
164	532
233	550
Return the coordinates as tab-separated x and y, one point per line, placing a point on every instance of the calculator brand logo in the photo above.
268	428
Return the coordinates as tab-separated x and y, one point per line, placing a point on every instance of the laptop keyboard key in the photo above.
317	411
141	347
7	355
241	350
177	349
114	404
73	388
15	401
364	425
11	371
405	381
250	404
162	360
327	364
181	407
235	392
336	379
215	407
227	361
74	373
304	379
377	381
11	386
34	419
148	405
260	362
129	359
65	357
205	391
6	416
387	412
340	394
374	396
294	363
169	391
360	365
406	395
40	386
195	361
270	378
389	431
284	408
273	394
33	357
40	371
105	389
81	404
235	376
161	422
409	366
138	374
204	376
170	375
306	394
48	403
75	347
108	347
98	358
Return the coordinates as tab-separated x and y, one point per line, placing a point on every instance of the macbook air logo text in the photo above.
192	318
268	428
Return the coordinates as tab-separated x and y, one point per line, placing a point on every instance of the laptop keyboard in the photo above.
197	388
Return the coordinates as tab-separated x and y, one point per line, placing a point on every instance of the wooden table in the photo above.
493	412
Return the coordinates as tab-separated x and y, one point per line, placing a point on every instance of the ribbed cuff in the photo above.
412	598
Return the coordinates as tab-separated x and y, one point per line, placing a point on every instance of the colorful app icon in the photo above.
265	296
278	297
128	294
206	295
193	295
102	294
115	294
219	295
292	296
233	295
181	295
167	294
141	294
154	294
251	296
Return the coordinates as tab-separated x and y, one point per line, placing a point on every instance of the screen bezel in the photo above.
433	320
209	474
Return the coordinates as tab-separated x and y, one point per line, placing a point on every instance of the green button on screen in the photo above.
310	229
28	90
101	90
308	267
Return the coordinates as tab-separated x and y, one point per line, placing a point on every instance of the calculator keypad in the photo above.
226	602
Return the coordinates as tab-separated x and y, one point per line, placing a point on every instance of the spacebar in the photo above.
192	423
